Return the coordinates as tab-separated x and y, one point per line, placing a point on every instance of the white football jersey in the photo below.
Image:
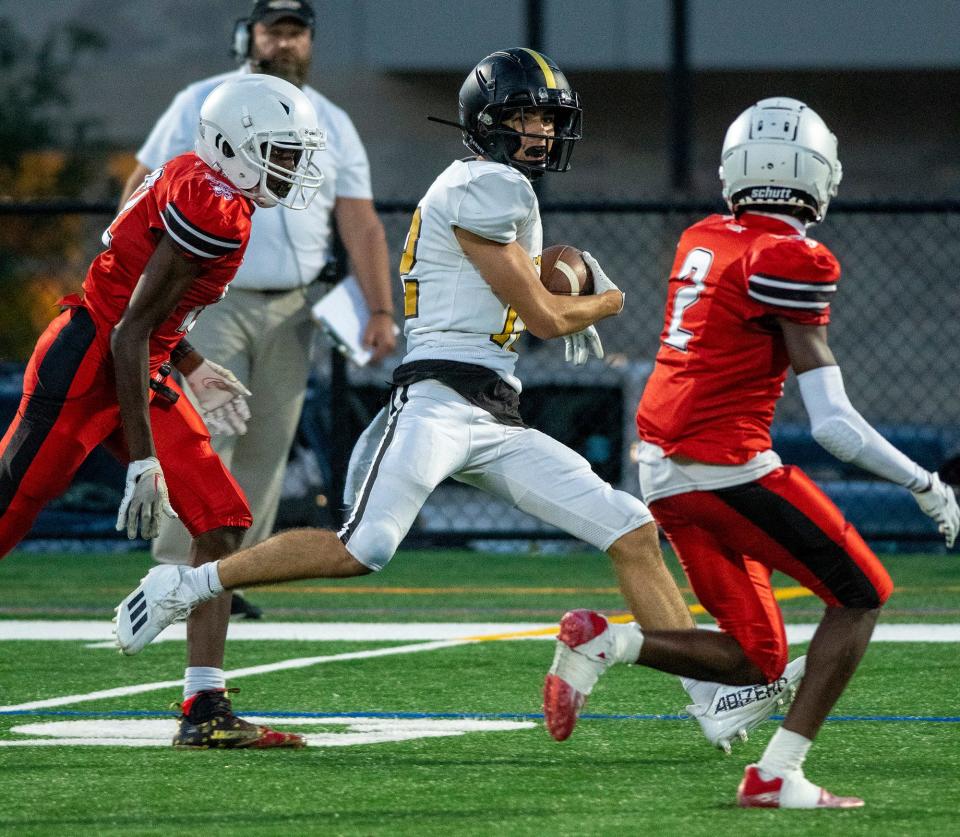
450	311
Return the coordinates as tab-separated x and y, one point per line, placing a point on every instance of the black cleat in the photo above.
207	722
239	606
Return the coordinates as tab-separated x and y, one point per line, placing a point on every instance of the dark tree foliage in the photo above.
44	153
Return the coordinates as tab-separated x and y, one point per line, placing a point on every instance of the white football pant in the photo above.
432	433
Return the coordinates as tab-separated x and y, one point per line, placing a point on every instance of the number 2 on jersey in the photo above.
695	268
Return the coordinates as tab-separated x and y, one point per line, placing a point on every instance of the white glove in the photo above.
939	503
221	397
580	344
144	499
601	282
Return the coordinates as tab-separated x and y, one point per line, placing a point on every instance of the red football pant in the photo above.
729	541
69	406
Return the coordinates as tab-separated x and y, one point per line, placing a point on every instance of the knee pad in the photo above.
372	544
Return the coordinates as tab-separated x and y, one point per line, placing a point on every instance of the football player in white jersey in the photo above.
471	286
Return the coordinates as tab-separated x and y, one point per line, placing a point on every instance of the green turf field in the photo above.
440	737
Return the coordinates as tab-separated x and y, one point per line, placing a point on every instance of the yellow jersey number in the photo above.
411	287
506	338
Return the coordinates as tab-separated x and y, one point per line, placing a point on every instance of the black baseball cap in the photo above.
270	11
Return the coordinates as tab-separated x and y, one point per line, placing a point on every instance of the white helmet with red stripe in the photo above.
780	154
260	132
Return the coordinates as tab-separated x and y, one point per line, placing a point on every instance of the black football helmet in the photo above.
508	81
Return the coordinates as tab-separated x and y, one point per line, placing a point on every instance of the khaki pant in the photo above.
266	340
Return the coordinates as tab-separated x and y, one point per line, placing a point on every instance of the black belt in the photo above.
479	385
328	274
274	291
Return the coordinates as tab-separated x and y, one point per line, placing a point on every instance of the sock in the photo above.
701	691
204	582
201	679
784	754
627	642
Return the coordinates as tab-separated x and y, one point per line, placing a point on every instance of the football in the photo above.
563	271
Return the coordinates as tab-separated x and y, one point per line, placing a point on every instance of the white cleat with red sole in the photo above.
585	650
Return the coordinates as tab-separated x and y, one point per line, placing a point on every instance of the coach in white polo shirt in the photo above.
262	330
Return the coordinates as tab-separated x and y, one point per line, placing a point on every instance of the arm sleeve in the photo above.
494	207
174	133
353	172
203	224
792	277
847	435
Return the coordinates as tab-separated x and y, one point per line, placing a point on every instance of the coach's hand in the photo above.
580	344
939	503
601	282
221	397
145	498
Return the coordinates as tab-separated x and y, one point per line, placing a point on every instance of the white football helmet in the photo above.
780	153
243	121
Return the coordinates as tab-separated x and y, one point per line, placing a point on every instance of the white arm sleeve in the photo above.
843	432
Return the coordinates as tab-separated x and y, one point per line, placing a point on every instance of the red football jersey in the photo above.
722	359
207	218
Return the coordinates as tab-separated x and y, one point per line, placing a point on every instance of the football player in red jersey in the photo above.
98	372
748	298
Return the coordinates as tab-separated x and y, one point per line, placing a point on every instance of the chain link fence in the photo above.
895	326
895	323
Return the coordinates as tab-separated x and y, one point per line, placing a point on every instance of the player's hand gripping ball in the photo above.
563	271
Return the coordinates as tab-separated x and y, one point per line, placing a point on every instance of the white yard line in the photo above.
434	636
89	630
282	665
101	631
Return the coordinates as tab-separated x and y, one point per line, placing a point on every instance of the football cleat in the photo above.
207	722
735	710
240	606
584	652
791	791
159	601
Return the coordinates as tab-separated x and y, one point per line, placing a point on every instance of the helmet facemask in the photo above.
294	185
494	138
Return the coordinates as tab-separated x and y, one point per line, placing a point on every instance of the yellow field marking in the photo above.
780	594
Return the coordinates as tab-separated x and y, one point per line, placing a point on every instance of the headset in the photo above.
241	39
243	35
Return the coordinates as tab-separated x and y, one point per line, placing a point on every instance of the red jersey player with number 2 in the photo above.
98	372
748	298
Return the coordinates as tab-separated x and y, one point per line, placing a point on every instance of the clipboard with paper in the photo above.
342	316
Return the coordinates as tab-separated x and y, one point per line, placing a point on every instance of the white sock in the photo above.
784	754
627	642
204	582
202	679
701	691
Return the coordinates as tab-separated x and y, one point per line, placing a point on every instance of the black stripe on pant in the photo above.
397	401
804	540
54	379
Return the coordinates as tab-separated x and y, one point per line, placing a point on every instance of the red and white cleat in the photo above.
793	791
585	650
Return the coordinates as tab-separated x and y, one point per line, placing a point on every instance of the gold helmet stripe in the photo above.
544	67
